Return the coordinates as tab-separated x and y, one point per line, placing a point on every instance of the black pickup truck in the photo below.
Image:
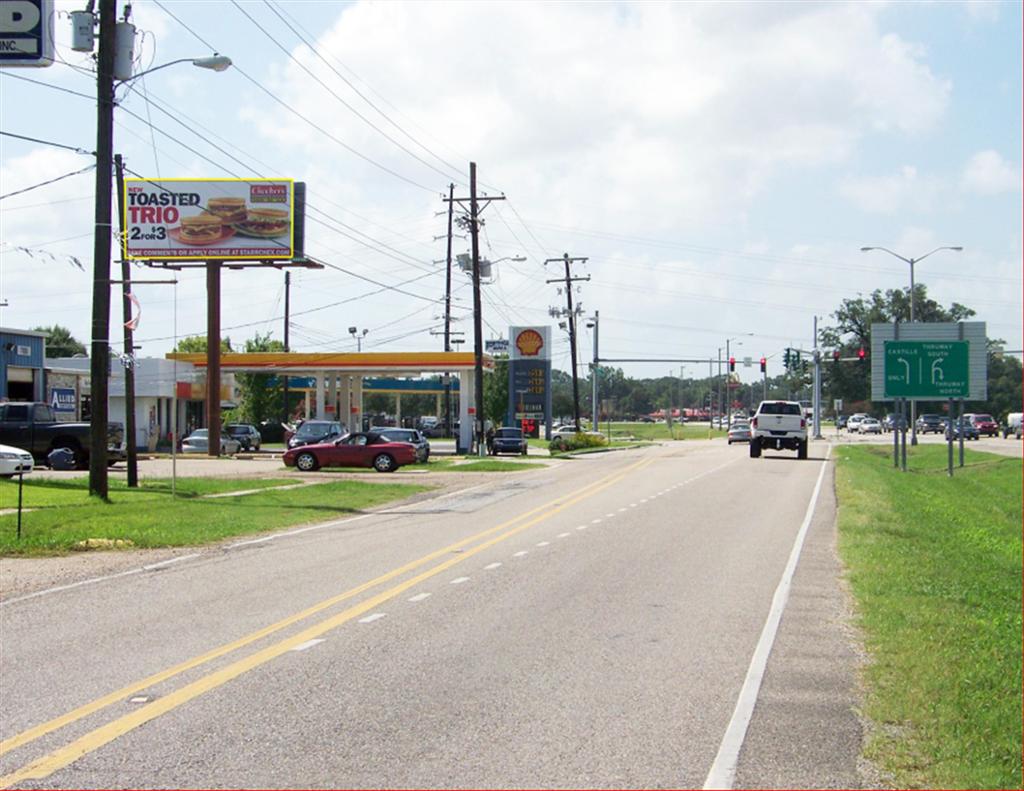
32	426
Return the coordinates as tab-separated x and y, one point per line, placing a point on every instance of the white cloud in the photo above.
903	191
682	110
987	173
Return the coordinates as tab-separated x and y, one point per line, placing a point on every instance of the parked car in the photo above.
930	424
312	432
740	432
870	425
853	424
983	422
248	435
410	435
508	440
440	429
199	442
14	461
363	449
968	429
841	421
34	426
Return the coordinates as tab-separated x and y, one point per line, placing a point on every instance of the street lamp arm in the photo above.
957	249
215	63
890	252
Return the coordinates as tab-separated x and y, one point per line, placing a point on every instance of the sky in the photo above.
718	165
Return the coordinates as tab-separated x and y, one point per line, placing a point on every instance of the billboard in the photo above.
209	219
26	33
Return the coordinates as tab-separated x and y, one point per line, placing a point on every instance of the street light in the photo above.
728	420
912	261
99	368
354	332
213	63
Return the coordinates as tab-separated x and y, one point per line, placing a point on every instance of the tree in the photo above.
852	332
262	395
196	344
496	393
60	342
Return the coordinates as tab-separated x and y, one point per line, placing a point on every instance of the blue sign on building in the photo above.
62	399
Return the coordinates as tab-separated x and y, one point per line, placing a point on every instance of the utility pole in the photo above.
593	399
478	346
817	383
287	313
570	314
99	367
448	315
129	341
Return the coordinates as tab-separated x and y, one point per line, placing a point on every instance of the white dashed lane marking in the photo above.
491	566
371	618
582	527
564	535
520	553
542	543
420	597
459	580
307	644
595	521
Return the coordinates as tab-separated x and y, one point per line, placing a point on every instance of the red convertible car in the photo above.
353	450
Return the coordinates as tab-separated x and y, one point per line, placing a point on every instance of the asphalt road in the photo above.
596	624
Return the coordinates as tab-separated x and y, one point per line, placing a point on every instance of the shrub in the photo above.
577	442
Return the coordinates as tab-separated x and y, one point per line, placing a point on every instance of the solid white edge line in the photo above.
722	774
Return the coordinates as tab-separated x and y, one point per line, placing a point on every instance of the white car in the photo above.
870	425
853	424
14	461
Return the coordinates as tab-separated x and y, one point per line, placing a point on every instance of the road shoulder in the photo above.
806	731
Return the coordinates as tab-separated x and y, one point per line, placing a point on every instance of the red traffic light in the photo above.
862	355
764	365
732	364
835	355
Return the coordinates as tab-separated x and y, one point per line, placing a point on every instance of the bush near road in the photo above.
935	567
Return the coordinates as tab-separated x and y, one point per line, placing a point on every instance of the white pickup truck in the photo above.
778	425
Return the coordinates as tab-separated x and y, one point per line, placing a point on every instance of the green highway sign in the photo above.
926	369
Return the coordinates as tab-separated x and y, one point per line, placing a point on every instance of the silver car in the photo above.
870	425
739	432
199	442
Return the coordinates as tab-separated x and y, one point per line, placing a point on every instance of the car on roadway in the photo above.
410	435
199	442
957	428
361	449
983	422
14	461
248	435
508	439
853	423
740	432
930	424
311	432
870	425
1013	424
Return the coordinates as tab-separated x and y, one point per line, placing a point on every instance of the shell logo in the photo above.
529	343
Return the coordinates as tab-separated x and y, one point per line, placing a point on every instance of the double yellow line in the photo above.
63	756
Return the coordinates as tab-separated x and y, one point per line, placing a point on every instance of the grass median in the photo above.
935	567
63	514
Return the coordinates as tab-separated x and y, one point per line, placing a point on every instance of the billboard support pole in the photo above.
213	356
129	341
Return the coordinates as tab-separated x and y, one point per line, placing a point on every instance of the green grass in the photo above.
935	566
149	517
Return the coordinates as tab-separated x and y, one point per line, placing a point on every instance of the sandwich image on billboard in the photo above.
209	219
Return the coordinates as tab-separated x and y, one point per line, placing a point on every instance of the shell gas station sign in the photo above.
529	379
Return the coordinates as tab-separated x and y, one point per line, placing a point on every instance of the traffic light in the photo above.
732	364
862	355
764	365
785	359
835	355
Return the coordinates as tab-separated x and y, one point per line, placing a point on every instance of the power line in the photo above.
76	149
299	115
326	87
49	181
